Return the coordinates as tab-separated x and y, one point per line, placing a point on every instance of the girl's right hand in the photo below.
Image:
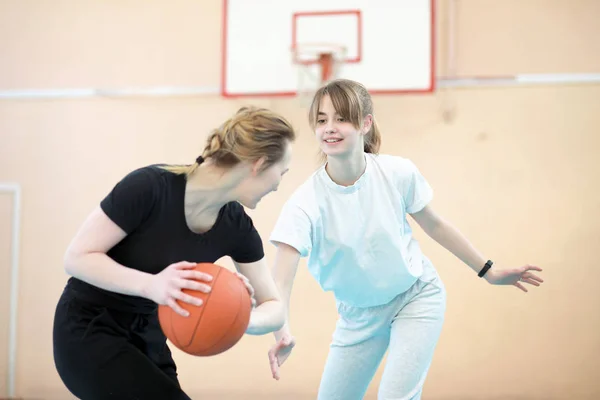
165	287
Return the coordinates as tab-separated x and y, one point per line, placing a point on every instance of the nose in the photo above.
329	128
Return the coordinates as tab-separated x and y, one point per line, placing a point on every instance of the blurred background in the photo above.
497	102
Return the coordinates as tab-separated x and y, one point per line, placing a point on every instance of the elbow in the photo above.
68	265
70	262
434	228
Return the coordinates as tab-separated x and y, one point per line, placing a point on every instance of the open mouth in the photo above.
332	140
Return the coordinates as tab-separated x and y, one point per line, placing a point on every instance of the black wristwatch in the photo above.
485	268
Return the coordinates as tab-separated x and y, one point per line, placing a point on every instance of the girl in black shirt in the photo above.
137	250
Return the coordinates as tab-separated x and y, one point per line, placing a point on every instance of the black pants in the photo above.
101	353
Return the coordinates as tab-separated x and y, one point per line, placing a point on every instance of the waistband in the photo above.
103	298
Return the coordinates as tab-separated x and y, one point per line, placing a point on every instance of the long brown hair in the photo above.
352	102
248	135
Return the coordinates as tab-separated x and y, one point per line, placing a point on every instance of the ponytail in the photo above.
373	139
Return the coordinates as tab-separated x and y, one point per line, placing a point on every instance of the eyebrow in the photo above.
325	114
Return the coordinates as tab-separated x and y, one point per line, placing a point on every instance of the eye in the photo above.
320	121
341	119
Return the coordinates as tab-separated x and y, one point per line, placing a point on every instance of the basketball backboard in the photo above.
385	44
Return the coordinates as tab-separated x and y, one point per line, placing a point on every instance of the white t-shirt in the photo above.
357	238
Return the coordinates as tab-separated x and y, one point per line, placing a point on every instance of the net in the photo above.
316	64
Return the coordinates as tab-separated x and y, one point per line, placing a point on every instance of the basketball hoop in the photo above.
316	64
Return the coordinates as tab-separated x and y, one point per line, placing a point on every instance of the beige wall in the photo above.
514	170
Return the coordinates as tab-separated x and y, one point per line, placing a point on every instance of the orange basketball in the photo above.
215	326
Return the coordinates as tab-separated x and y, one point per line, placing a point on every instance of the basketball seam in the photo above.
202	311
235	319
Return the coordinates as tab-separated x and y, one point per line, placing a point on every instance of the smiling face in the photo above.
341	115
336	134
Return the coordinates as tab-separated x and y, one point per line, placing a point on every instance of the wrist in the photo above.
485	271
142	286
490	276
284	331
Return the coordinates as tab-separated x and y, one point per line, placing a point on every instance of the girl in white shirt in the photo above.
349	219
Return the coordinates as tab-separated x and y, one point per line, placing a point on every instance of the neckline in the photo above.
346	189
185	221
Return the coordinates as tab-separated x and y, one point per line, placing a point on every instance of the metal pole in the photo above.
15	190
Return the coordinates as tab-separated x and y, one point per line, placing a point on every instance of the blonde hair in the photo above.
352	102
251	133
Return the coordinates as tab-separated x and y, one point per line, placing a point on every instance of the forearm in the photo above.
284	272
455	242
100	270
285	328
266	317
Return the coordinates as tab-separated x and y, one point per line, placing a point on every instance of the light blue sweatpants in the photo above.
409	326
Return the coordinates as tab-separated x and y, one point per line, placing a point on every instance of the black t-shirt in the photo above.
148	204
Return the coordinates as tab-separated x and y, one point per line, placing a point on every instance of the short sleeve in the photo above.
131	200
248	247
416	190
293	227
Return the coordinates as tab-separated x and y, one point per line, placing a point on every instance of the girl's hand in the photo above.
515	276
165	287
280	352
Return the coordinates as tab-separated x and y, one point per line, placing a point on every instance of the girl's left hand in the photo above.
248	286
515	276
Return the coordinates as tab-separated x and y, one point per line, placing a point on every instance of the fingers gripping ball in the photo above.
215	326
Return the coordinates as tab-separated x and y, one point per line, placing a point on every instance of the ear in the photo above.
258	165
367	124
